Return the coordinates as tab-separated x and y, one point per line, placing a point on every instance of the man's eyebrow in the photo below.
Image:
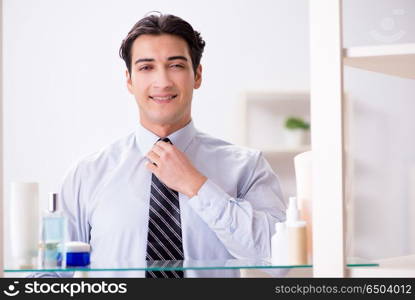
143	60
177	57
152	59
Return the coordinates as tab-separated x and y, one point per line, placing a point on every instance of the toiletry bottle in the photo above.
23	223
77	254
279	245
296	232
53	236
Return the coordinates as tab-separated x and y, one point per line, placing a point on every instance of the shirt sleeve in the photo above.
244	224
73	207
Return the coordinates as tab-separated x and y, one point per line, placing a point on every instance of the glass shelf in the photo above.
182	265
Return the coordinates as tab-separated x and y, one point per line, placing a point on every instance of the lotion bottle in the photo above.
297	237
279	245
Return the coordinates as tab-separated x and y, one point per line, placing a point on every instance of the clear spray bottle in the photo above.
52	252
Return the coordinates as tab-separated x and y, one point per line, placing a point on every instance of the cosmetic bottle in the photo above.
77	254
53	236
23	223
279	245
297	237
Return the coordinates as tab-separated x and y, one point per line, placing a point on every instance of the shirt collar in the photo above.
181	138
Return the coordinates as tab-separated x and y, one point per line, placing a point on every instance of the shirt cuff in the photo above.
210	201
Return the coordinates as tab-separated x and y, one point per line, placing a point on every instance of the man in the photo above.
168	191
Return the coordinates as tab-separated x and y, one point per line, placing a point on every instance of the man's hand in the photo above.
174	169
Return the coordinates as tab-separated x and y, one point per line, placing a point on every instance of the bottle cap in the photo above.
75	246
53	202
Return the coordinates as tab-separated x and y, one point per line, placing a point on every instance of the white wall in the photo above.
64	90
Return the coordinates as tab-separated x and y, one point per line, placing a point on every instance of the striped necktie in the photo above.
164	239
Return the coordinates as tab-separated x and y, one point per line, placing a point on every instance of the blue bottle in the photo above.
53	236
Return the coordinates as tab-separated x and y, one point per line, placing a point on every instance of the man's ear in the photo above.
198	77
129	83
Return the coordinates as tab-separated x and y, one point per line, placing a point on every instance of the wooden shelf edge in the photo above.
396	60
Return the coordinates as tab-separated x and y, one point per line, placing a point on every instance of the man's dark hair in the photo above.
164	24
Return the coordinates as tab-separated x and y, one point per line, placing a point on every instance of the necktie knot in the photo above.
167	140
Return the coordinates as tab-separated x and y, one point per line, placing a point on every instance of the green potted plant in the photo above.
296	131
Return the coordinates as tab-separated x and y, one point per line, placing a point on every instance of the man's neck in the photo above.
164	130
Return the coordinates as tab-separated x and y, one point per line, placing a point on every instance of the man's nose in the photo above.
162	80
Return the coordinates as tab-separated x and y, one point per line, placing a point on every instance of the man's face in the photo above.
162	80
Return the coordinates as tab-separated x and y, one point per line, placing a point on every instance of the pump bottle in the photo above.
296	232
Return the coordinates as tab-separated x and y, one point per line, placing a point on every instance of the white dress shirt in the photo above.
106	200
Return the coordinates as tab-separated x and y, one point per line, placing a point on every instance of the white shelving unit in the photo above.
329	152
262	127
263	115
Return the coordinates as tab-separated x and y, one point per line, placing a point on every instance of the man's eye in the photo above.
144	68
177	66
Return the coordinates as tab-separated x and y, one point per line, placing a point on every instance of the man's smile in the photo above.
163	98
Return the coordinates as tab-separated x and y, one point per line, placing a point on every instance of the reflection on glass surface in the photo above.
185	265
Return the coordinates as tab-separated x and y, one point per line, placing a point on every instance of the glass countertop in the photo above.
182	265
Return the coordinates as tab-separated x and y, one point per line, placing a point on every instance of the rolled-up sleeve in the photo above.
244	224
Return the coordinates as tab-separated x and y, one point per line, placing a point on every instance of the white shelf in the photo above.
285	151
262	116
265	112
397	59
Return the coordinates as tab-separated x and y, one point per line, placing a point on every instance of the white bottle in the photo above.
279	245
23	226
297	237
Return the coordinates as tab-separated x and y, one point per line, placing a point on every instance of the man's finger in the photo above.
164	145
153	157
157	149
151	167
